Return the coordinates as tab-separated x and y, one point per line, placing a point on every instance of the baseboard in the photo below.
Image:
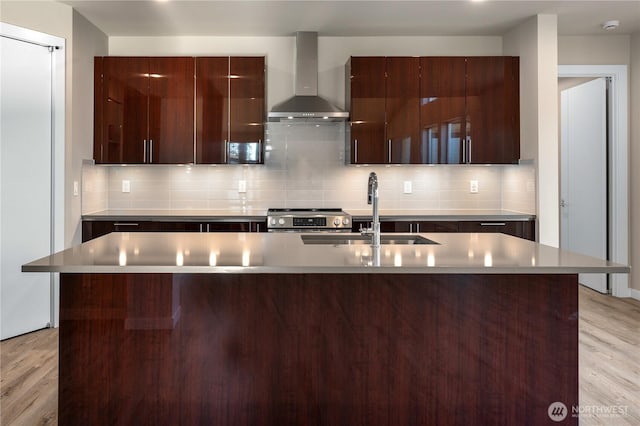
635	293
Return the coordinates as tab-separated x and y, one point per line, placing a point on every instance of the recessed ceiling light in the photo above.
611	25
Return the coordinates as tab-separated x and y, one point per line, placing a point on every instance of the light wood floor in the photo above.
608	356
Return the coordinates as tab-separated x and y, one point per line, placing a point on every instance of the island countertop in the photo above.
459	253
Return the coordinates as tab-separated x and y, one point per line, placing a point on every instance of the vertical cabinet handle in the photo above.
144	151
469	149
463	143
226	151
259	151
411	228
389	150
355	146
150	150
418	228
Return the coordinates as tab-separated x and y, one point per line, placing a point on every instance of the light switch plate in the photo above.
76	188
408	187
126	186
242	186
473	186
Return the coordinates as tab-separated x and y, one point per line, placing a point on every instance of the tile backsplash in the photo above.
304	167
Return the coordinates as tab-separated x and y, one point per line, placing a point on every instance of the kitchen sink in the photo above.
337	239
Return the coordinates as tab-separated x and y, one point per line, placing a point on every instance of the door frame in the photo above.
618	164
58	57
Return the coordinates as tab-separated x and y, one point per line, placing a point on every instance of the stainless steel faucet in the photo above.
372	198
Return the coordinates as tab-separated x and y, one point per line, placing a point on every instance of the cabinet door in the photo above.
523	229
436	226
442	109
403	110
98	116
124	122
366	96
212	110
246	109
493	110
171	97
229	227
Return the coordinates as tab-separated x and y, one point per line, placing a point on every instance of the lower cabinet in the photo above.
523	229
95	228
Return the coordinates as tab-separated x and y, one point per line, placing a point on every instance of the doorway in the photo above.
31	146
584	182
605	177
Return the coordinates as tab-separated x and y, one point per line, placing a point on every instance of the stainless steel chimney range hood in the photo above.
306	105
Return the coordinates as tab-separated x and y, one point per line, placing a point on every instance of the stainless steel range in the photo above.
308	220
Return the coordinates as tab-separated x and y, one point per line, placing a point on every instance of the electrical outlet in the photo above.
126	186
407	187
76	188
242	186
473	186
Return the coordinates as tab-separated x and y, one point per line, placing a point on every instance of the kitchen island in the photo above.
255	328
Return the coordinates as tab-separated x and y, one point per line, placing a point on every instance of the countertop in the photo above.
437	215
177	215
260	214
463	253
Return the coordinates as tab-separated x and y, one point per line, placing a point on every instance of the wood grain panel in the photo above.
247	106
321	350
171	109
125	98
492	102
403	109
367	110
98	101
212	109
442	108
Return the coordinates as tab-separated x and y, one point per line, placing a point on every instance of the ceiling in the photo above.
349	18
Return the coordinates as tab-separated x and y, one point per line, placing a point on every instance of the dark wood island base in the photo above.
317	349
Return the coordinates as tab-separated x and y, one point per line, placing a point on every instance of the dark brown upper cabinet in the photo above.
493	110
230	110
365	101
442	109
144	110
383	100
403	110
433	110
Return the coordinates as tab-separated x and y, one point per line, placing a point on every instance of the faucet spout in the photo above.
372	198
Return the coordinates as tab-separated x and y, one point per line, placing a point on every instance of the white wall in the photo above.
304	167
635	162
594	50
333	53
535	41
83	40
616	50
88	41
431	190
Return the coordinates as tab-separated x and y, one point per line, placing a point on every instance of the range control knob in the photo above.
273	220
281	221
336	221
345	221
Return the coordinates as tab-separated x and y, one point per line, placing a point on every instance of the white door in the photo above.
583	220
25	180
